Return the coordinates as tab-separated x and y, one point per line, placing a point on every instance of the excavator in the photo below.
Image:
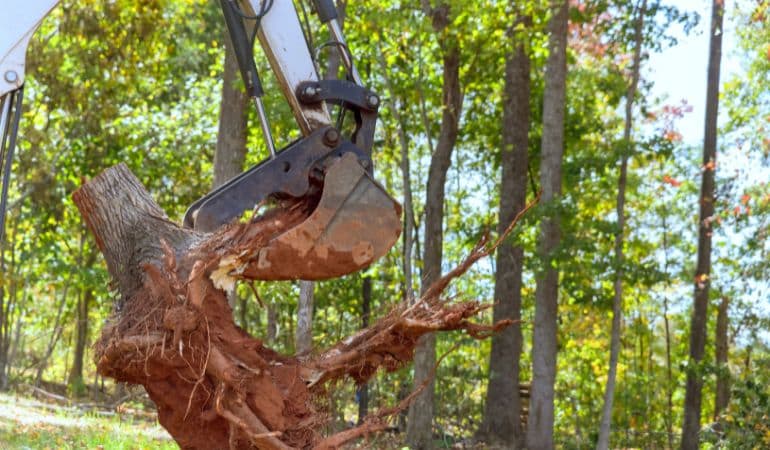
355	221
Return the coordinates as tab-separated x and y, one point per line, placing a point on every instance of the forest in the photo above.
626	306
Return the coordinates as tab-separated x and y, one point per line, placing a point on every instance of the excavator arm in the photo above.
355	221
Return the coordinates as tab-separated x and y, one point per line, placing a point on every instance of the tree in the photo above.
693	395
617	301
420	420
722	395
502	414
216	386
544	346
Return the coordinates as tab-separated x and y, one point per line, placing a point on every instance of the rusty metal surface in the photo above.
355	223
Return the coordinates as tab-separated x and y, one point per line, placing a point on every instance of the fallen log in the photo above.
173	332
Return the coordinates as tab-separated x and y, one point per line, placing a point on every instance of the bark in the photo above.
173	331
230	153
722	349
693	394
603	442
303	338
544	345
419	434
502	414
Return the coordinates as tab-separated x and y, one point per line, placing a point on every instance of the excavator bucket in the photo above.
355	223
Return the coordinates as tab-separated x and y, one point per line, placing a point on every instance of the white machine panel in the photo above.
18	21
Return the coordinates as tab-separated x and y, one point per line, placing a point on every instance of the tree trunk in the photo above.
303	339
75	379
173	331
544	346
230	153
363	390
502	414
419	432
692	405
722	349
603	442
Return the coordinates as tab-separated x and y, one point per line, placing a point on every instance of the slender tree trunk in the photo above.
667	327
272	323
617	301
303	339
230	153
722	349
56	332
544	345
303	342
419	432
502	414
75	379
407	234
366	302
693	395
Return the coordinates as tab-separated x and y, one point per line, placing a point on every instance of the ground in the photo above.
30	424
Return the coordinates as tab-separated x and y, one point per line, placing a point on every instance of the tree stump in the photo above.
173	332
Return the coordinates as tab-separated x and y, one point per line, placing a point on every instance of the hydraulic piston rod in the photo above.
10	115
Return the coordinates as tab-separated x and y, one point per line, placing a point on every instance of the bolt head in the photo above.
331	137
310	91
11	76
373	101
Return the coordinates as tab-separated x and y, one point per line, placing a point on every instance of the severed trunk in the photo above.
173	331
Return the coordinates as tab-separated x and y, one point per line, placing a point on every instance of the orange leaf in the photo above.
745	198
673	182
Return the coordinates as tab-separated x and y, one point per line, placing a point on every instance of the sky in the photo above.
679	72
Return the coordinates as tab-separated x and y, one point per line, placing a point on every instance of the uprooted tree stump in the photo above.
173	331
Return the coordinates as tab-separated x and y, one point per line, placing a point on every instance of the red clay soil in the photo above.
215	386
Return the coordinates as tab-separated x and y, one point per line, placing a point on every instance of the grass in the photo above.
27	424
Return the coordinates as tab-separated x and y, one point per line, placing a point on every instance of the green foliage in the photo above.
139	82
